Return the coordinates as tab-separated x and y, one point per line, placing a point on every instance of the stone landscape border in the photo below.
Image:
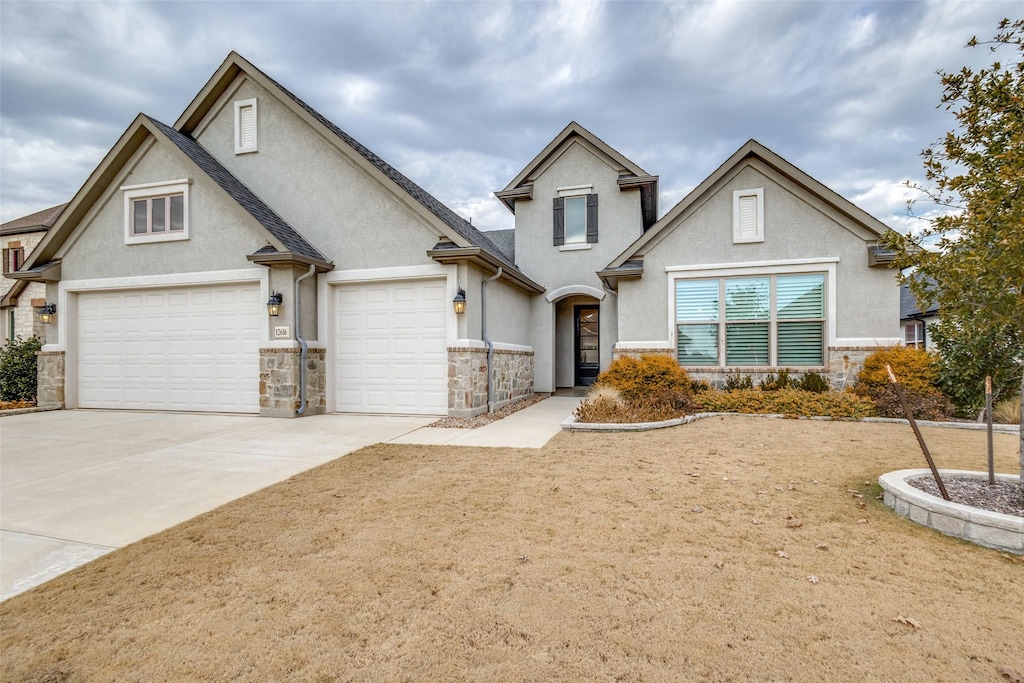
990	529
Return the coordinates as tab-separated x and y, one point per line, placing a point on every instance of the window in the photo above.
768	321
156	212
14	256
748	216
913	334
575	218
245	126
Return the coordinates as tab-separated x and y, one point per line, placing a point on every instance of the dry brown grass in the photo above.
581	561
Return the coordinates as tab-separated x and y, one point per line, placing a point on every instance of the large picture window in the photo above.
768	321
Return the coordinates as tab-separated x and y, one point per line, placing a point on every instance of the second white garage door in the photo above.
175	348
391	347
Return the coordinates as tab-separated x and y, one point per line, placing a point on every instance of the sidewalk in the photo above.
529	428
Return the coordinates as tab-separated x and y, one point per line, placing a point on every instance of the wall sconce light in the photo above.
459	302
46	313
274	304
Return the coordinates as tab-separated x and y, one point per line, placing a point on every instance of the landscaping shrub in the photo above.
737	380
814	383
917	371
650	373
653	407
1007	412
789	402
773	383
18	369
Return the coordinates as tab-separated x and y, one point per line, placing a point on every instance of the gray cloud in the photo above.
461	95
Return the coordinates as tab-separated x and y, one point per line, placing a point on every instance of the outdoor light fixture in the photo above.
46	313
459	302
274	304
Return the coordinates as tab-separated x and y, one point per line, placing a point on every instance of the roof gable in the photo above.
40	221
277	232
447	222
755	154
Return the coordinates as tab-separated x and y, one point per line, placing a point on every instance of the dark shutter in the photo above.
7	261
559	221
591	219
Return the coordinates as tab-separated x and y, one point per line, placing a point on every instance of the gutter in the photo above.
487	342
303	346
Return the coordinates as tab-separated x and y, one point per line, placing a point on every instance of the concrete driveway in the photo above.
77	484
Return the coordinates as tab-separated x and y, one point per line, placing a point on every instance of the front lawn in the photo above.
733	548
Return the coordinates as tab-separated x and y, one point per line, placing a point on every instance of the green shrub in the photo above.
737	380
774	383
650	373
789	402
814	383
18	369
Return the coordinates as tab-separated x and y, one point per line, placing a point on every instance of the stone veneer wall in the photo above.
50	378
279	382
844	364
467	379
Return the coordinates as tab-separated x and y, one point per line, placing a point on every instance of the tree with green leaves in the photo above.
975	174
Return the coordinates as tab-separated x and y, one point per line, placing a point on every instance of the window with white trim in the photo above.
156	212
748	216
768	321
245	126
913	334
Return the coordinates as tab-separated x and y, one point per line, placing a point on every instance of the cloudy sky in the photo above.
460	96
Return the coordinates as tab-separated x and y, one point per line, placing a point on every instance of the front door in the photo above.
588	361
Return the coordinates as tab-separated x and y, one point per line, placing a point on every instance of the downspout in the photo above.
487	342
303	347
609	290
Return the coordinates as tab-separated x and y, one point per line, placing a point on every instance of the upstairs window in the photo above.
245	126
14	256
748	216
156	212
575	218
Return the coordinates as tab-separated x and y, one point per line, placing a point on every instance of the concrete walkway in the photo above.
529	428
77	484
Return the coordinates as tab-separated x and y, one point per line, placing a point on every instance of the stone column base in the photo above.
279	382
50	378
512	375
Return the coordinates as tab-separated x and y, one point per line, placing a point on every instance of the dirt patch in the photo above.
729	549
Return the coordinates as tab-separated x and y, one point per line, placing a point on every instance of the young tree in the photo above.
976	172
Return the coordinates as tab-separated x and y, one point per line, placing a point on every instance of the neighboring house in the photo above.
18	297
164	264
915	322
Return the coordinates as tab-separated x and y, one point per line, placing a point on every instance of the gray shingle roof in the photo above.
909	307
506	241
431	203
40	219
245	197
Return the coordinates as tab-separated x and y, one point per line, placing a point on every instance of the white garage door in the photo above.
180	348
390	347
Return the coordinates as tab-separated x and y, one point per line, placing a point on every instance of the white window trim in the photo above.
147	190
239	106
574	190
575	246
763	268
759	235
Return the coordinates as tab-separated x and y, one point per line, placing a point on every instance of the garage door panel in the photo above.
185	348
395	333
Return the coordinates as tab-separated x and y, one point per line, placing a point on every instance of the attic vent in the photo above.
245	126
748	216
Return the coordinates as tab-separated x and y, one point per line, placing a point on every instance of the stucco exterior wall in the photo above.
348	215
220	233
867	302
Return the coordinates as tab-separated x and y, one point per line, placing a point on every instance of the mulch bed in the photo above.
1003	496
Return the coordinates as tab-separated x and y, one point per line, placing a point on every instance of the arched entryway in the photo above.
578	332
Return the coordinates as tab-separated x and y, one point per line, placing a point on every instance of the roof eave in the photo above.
488	262
287	258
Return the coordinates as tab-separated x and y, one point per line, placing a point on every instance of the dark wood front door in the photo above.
588	345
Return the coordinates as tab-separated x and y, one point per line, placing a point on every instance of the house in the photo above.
18	297
915	322
254	257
